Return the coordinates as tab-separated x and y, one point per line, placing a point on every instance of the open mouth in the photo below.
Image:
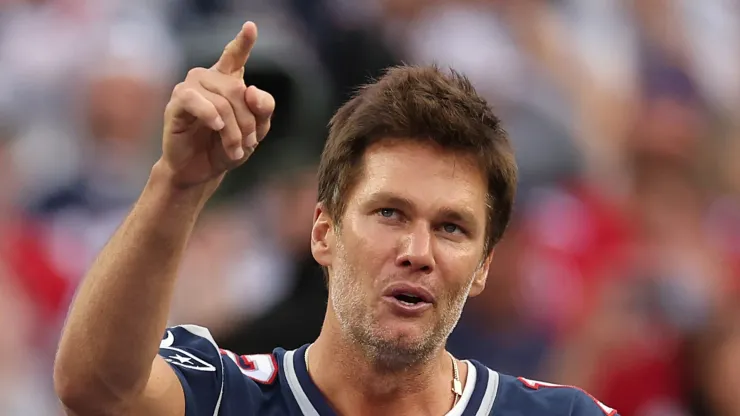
408	299
409	295
409	302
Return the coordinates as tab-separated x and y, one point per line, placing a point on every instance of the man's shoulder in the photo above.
519	395
193	347
217	380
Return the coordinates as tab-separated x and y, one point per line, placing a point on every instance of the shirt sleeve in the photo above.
586	405
194	356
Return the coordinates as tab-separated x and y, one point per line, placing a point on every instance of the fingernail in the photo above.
252	139
238	153
219	124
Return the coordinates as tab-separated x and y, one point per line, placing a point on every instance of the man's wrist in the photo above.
164	185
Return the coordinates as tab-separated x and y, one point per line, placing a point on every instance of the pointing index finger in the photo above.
236	52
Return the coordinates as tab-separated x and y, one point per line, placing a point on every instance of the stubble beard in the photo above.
388	353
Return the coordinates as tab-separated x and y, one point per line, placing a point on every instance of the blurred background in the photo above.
620	272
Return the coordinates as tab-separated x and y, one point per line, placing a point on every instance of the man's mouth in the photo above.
408	298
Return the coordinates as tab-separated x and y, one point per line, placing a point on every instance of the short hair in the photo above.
425	104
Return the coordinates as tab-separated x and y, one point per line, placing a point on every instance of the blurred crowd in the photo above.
621	270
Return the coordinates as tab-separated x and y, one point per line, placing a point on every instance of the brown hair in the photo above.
419	103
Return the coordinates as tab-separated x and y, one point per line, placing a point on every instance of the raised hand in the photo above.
213	121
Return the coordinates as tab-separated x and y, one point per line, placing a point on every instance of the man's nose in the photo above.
416	250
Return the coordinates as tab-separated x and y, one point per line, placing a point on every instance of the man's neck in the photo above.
353	385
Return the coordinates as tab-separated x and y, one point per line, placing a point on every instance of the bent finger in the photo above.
231	135
233	91
192	103
261	103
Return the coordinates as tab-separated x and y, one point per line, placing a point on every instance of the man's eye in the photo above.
451	228
387	212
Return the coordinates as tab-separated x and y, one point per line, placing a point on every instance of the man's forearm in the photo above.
118	316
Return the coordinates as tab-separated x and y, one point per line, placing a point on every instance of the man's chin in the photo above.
393	343
406	333
404	345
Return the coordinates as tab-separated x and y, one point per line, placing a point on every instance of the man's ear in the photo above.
322	236
481	276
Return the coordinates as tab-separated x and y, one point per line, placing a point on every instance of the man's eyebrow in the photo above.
458	214
389	198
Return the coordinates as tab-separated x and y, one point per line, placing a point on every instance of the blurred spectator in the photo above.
124	93
626	279
45	48
345	34
33	299
502	68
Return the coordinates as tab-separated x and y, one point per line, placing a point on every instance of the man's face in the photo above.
409	252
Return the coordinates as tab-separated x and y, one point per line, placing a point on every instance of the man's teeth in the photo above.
408	299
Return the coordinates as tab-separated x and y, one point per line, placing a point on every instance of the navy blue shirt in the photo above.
217	382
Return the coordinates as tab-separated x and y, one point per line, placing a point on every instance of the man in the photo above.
416	185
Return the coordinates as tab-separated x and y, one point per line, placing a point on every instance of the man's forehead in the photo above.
423	178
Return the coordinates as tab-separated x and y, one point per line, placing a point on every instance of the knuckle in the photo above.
196	73
177	90
248	125
183	92
231	139
170	108
187	94
235	88
223	106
